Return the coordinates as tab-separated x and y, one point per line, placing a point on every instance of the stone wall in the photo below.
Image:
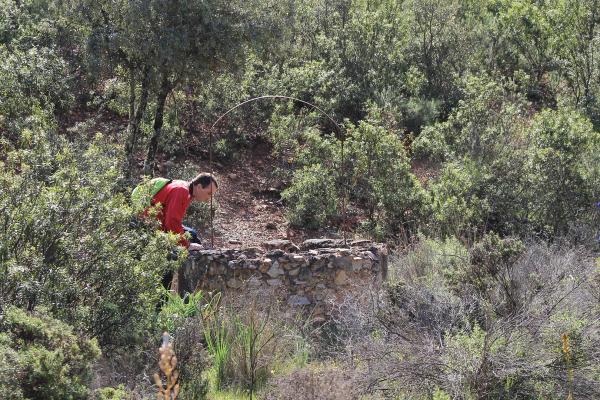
309	274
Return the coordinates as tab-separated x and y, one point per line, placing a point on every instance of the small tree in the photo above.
381	178
162	45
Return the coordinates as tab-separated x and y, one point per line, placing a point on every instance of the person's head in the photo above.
203	186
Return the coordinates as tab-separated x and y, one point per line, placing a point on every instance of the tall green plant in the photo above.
175	309
253	337
560	177
219	347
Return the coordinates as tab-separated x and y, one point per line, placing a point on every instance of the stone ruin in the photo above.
312	274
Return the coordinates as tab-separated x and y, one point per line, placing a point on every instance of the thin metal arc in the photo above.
278	97
281	97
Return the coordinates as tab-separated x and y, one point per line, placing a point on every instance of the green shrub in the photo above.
430	262
248	342
176	309
46	359
460	206
192	356
505	341
469	197
381	178
489	119
312	198
33	87
376	175
110	393
490	270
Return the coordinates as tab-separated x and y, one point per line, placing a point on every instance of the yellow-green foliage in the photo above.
110	393
42	358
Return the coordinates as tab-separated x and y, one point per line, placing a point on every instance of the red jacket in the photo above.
175	199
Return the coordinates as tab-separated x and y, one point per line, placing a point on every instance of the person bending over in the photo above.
175	197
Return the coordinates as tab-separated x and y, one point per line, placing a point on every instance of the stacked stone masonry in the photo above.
317	271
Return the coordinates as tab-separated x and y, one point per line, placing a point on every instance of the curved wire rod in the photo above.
280	97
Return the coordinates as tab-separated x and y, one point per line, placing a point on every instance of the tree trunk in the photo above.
131	92
135	119
164	90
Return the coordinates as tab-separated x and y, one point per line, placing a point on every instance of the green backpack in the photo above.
143	193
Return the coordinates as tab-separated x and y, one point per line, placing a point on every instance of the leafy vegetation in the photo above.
43	358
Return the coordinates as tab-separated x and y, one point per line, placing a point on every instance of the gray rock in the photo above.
276	244
318	243
252	252
265	265
234	283
344	252
359	263
275	270
342	262
296	300
274	282
254	282
275	254
280	244
298	259
363	242
341	278
252	263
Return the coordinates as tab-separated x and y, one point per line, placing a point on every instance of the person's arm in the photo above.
175	212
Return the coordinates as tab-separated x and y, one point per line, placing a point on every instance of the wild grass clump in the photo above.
176	309
230	348
247	344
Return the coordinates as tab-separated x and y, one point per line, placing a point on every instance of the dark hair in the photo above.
205	179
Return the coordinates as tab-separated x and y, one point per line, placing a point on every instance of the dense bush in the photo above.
488	119
376	175
458	199
312	197
67	243
42	358
381	178
498	173
561	182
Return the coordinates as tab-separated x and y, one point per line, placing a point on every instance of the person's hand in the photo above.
195	247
